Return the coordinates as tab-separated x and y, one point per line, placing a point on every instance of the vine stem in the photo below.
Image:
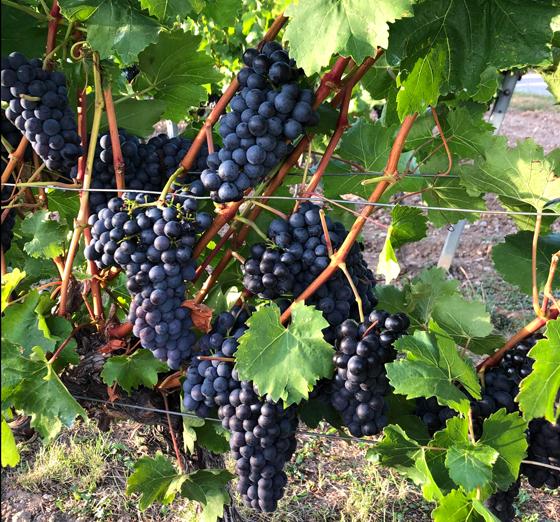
118	162
444	141
340	255
64	344
3	265
548	285
172	433
81	220
359	301
215	358
93	271
528	329
534	248
51	32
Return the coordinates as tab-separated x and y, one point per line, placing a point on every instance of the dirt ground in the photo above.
329	480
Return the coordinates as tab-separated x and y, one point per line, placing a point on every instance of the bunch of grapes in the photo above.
544	447
360	382
208	383
38	107
501	503
268	113
299	255
154	247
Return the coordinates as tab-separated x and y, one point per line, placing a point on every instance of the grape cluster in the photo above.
9	221
360	382
263	439
154	247
147	166
544	447
131	72
208	383
38	107
501	503
269	111
299	255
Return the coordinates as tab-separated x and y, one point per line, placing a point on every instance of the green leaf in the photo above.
156	480
539	390
347	27
114	26
458	507
421	88
31	384
175	71
313	411
9	284
505	432
512	259
521	173
475	35
137	116
20	325
167	11
14	24
396	450
470	465
209	488
46	232
132	371
284	363
67	204
408	225
431	368
224	12
368	144
378	79
10	453
190	423
461	319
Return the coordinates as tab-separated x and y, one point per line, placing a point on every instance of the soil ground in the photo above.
82	475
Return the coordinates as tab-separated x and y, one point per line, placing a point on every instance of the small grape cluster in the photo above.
208	383
501	503
544	447
38	106
299	254
154	247
267	114
360	382
147	166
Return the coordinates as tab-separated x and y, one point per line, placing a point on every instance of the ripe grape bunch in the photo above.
208	383
360	382
299	253
501	503
262	431
154	247
269	111
38	106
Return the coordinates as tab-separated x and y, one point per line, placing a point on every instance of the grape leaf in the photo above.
284	362
521	173
421	88
408	225
10	281
431	367
9	450
461	319
132	371
114	26
20	325
175	71
209	434
65	203
156	480
209	488
470	465
30	384
167	11
505	432
14	24
512	259
378	79
368	144
475	35
137	116
456	506
396	450
538	392
224	12
47	234
347	27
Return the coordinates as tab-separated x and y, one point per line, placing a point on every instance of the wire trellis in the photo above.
301	432
316	199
